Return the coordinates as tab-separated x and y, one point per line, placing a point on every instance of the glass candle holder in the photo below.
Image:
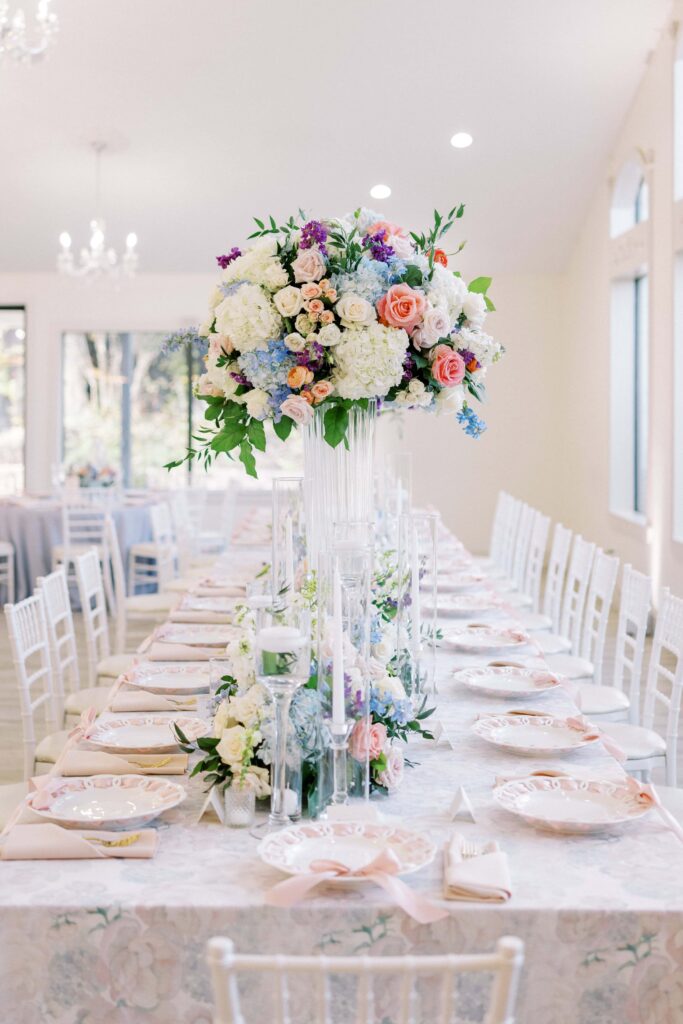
240	805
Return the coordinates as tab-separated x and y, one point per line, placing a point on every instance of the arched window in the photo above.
629	404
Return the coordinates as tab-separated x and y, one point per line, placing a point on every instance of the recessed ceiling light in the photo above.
461	140
380	191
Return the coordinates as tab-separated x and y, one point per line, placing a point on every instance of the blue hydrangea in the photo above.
277	397
375	629
370	280
267	368
470	422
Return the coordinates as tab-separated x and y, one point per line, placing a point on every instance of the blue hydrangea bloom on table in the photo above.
330	314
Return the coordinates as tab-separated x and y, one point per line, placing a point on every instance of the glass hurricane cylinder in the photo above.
288	536
417	602
338	482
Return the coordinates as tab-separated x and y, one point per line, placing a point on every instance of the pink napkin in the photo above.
484	876
201	617
140	700
98	762
209	587
52	842
181	652
382	870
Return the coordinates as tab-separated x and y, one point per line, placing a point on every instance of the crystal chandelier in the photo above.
97	260
17	42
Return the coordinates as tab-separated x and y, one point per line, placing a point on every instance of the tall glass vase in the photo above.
338	482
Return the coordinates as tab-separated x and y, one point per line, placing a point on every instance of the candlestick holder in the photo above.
339	745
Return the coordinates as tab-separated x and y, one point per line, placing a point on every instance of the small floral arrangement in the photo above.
90	476
332	313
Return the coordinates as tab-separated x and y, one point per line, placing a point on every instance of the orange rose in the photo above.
296	378
307	397
321	391
311	290
402	307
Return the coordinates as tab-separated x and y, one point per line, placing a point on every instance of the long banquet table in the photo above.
123	942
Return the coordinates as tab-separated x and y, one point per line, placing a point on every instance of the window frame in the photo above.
14	308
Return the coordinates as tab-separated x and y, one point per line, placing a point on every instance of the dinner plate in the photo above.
144	734
353	844
106	801
200	635
482	639
462	606
170	679
220	605
454	583
507	681
533	736
565	804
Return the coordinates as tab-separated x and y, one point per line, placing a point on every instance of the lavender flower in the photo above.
380	252
408	368
314	233
225	261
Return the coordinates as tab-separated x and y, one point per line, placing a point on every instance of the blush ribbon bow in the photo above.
591	731
647	793
382	870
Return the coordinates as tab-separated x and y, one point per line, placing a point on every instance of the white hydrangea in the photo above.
369	361
415	395
256	264
257	403
445	289
483	347
249	318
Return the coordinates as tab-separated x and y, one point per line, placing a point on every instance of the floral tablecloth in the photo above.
123	942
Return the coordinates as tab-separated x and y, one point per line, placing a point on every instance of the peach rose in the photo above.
307	397
316	307
367	740
296	378
402	307
309	265
297	408
219	344
448	366
393	773
322	390
311	290
327	317
331	294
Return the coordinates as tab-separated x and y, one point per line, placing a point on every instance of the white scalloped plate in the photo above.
107	801
571	805
170	679
219	605
531	736
455	583
199	635
144	734
507	681
354	844
464	606
482	639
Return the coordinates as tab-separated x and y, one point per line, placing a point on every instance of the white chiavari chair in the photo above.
406	981
63	650
139	607
492	562
102	664
587	663
510	538
152	563
531	584
83	527
646	748
568	638
549	615
7	572
621	699
30	647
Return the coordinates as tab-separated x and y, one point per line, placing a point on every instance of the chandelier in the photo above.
97	260
20	44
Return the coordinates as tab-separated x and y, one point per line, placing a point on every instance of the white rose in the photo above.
450	400
288	301
474	308
220	719
309	265
295	343
391	685
303	324
383	650
435	324
205	386
401	245
258	779
353	311
257	405
232	744
329	335
274	277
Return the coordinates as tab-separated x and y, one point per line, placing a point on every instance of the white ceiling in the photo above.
220	109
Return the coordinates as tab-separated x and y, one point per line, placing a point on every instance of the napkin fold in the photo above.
218	588
141	700
98	762
52	842
159	651
483	876
200	617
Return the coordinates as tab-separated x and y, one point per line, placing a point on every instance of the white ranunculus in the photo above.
288	301
329	335
450	400
353	311
474	308
257	404
249	318
295	343
369	361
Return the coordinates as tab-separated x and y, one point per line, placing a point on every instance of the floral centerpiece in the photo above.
333	313
89	475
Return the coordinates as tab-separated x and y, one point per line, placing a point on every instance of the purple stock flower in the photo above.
314	233
225	261
378	250
241	379
468	357
408	368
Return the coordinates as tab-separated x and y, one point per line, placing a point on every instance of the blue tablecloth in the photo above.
35	528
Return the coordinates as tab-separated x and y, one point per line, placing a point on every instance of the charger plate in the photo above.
353	843
571	805
107	801
144	734
507	681
533	736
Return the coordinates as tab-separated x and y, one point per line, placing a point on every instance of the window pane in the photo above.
12	383
640	400
92	390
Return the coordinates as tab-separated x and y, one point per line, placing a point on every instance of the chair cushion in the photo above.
570	665
151	604
115	665
636	742
534	621
516	600
51	746
9	798
89	697
503	585
553	643
601	700
183	583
